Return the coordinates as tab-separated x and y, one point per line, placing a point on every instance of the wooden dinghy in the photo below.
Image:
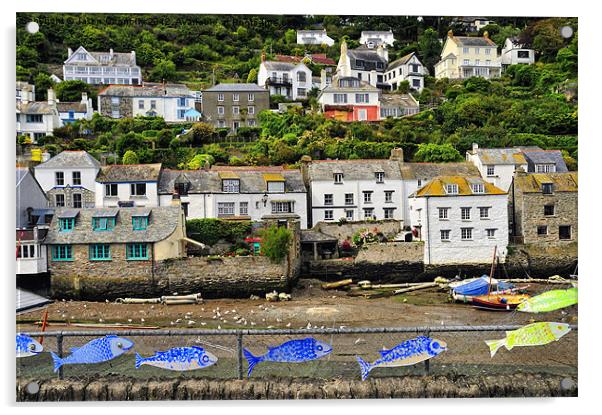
499	302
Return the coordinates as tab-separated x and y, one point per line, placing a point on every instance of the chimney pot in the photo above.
475	146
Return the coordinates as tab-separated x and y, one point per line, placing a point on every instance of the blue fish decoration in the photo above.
26	346
179	358
95	351
293	351
407	353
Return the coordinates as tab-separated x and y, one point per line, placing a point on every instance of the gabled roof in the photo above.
364	169
147	90
532	182
20	174
500	155
70	159
398	100
118	58
437	186
35	107
366	54
227	87
126	173
540	156
162	223
279	66
472	41
428	171
401	61
71	106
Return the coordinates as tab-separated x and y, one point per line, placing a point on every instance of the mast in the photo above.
492	269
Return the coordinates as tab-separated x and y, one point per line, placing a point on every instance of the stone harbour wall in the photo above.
388	227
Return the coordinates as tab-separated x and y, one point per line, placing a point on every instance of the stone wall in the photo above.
116	388
389	228
125	106
88	197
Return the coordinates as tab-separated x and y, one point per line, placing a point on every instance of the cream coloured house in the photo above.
465	57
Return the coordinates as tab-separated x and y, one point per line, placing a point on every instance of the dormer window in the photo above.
545	168
182	188
231	186
359	63
338	178
275	187
66	224
139	223
490	171
547	188
478	188
103	223
380	176
82	56
451	189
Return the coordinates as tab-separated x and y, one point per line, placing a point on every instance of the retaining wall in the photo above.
388	227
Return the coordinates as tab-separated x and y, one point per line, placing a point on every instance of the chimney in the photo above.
520	171
111	53
133	55
475	147
263	56
69	52
322	79
84	97
45	156
343	48
397	154
175	200
450	34
486	34
373	77
382	52
51	97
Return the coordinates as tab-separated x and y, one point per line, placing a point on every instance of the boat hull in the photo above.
498	302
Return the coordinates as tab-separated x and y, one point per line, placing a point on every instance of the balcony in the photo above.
279	81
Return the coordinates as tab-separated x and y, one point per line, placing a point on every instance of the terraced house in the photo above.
113	243
96	68
127	185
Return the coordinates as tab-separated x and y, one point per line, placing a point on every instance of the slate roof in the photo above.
546	157
34	107
126	173
162	223
428	171
473	41
364	169
376	32
398	100
70	159
71	106
363	86
436	187
279	66
401	61
367	55
252	179
147	90
309	235
563	182
118	59
500	155
226	87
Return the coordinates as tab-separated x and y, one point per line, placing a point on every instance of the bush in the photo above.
275	241
130	157
210	231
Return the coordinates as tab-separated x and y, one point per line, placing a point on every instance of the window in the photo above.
114	100
349	214
380	177
523	54
225	209
111	190
138	189
235	110
478	188
82	56
465	50
220	97
490	233
301	92
547	188
542	230
136	252
34	118
235	125
367	197
221	123
301	76
231	185
59	178
416	83
59	200
328	199
282	207
362	114
76	177
181	102
490	171
181	114
451	189
62	253
388	196
564	232
77	200
220	111
251	97
100	252
328	215
546	168
251	110
115	114
338	178
487	51
66	224
476	51
466	234
465	211
252	123
349	198
140	104
26	251
548	210
445	234
235	97
362	98
340	98
477	62
139	223
466	61
244	208
369	213
484	212
103	224
389	213
443	213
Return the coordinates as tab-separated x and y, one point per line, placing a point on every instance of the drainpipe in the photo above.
513	212
428	232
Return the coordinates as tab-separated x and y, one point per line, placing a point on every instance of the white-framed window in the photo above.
362	98
328	199
59	178
59	200
301	76
221	123
82	56
445	233
367	197
235	110
443	213
235	97
251	97
476	51
140	104
478	188
484	212
220	110
490	171
465	213
77	200
549	210
466	61
251	110
231	185
76	177
451	189
251	123
328	215
368	213
275	187
389	196
282	207
115	100
225	208
348	198
546	168
380	176
301	92
487	51
477	62
466	234
111	190
338	178
243	207
220	97
490	233
389	212
362	114
340	98
547	188
464	50
138	189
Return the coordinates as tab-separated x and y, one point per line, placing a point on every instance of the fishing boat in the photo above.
496	301
465	290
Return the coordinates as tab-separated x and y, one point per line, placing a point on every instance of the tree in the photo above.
164	70
27	57
71	91
437	153
42	81
275	241
404	87
252	77
429	48
201	132
200	160
290	36
130	157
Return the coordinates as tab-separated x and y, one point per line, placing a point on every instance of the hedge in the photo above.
210	231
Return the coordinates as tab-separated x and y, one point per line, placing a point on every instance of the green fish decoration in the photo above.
549	301
536	334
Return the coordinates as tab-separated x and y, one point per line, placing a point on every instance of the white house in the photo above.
25	91
373	38
70	112
127	185
173	102
514	53
497	165
398	105
364	63
353	190
97	68
245	193
407	68
291	80
69	179
460	219
36	118
314	37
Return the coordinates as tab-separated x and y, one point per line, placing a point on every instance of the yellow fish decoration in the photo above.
549	301
536	334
